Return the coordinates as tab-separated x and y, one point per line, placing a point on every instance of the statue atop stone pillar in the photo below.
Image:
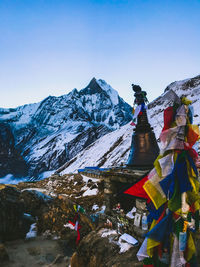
144	147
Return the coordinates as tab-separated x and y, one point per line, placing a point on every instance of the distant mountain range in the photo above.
90	127
45	135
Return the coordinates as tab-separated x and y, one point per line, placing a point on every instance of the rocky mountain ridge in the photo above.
49	133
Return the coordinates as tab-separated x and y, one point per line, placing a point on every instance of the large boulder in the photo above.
13	223
97	250
11	160
34	201
58	214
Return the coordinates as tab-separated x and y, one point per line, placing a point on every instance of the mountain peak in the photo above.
74	91
93	86
97	86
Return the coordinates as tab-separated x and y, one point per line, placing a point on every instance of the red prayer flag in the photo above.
78	233
168	118
137	189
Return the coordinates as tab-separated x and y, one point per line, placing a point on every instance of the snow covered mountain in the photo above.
49	133
116	145
89	127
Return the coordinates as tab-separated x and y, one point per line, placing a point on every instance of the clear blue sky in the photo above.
49	47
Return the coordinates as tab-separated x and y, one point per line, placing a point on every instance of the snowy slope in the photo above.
110	150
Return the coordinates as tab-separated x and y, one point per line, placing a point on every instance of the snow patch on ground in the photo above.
32	232
107	232
123	245
90	192
95	207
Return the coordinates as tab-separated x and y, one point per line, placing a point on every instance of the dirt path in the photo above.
37	252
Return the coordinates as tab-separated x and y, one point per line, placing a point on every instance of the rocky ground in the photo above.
79	189
39	251
50	207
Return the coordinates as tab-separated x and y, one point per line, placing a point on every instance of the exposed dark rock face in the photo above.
10	159
34	201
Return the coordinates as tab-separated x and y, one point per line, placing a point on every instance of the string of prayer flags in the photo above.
172	188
